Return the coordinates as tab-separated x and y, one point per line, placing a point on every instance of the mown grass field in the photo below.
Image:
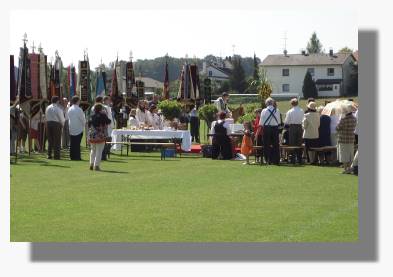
142	199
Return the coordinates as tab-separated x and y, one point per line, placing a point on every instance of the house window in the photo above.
285	72
325	87
330	71
210	73
311	71
285	88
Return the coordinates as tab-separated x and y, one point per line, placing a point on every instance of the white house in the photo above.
217	72
331	73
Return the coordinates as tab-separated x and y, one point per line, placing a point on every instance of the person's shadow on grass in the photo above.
114	171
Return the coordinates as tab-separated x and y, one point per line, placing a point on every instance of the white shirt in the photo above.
294	116
54	113
133	122
111	125
154	120
220	103
272	121
226	125
77	120
141	116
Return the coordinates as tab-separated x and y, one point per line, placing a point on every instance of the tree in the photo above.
309	87
263	86
237	79
256	68
345	50
314	46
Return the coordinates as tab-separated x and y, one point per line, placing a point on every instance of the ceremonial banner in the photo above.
84	81
52	85
100	83
34	74
43	77
140	89
24	84
12	80
194	76
71	75
130	79
58	67
165	92
189	83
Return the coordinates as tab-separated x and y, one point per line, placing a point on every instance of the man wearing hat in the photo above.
293	120
270	120
311	122
222	104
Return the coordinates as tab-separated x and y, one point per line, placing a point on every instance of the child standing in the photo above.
247	144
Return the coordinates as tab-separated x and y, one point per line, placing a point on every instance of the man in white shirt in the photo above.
294	120
54	120
222	104
153	118
141	113
270	121
77	122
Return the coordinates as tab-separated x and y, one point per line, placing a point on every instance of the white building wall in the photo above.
296	78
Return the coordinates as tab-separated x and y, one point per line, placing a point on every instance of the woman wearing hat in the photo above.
311	124
346	138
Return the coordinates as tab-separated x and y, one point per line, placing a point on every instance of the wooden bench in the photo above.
290	149
258	149
323	149
163	146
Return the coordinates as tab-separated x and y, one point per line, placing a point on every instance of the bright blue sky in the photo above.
152	33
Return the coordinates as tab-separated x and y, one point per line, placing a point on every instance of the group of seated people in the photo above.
145	115
309	127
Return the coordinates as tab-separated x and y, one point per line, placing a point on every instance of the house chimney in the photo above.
331	52
285	53
303	52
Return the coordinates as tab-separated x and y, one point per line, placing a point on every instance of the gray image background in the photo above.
365	249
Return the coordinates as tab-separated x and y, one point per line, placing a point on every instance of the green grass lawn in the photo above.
142	199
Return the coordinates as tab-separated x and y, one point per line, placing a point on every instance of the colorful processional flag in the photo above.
24	81
34	75
84	81
165	92
189	83
43	77
55	78
71	75
100	83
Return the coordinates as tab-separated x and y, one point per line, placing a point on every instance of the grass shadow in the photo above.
56	165
114	171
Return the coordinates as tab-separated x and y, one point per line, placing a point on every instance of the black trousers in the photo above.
296	139
75	147
194	126
271	144
107	148
54	138
221	145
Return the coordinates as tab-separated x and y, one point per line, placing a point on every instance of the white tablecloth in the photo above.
235	128
185	136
